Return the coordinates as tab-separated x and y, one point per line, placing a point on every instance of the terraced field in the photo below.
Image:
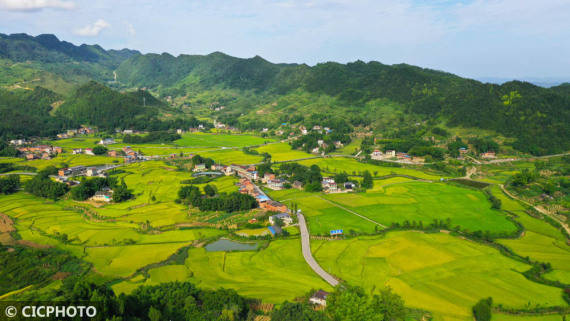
274	274
352	166
541	241
282	152
436	272
219	140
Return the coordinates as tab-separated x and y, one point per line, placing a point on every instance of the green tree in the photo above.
367	181
389	305
350	304
100	150
482	310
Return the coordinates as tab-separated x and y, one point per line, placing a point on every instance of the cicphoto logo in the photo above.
52	310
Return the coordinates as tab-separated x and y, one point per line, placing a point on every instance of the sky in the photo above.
472	38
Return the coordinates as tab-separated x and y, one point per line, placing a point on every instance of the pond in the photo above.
229	245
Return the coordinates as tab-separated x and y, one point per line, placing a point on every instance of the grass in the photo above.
435	272
282	152
219	140
274	274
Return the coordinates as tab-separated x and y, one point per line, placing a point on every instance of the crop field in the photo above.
282	152
232	156
322	215
274	274
508	317
398	202
541	241
351	166
436	272
219	140
68	159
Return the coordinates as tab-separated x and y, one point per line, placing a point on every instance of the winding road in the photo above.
306	247
539	209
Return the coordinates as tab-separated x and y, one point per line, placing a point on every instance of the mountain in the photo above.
101	106
259	93
538	117
46	61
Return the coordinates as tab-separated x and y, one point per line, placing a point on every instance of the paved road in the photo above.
306	246
539	209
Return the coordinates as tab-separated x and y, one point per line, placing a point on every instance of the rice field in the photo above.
274	274
436	272
219	140
396	202
282	152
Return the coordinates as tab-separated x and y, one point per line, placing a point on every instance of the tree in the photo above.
296	311
341	178
9	184
367	181
121	192
210	190
154	314
350	304
389	305
482	310
100	150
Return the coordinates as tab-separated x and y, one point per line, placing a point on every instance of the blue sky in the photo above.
473	38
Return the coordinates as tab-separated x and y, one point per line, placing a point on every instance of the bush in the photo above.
482	310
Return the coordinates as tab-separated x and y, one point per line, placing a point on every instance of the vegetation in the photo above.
9	184
43	186
223	202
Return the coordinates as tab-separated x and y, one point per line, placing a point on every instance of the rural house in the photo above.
319	298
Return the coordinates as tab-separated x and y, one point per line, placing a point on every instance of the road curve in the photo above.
306	246
541	210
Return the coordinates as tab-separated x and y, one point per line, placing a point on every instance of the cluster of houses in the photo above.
267	204
66	175
392	154
316	128
40	151
74	132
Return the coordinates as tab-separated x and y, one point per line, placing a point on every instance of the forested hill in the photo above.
538	117
49	49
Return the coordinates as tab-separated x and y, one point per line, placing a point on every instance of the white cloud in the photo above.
34	5
92	30
131	29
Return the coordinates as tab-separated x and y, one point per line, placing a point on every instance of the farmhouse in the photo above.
489	155
91	171
390	153
273	206
297	185
104	195
377	154
112	153
268	177
275	184
319	298
106	141
284	217
71	171
77	151
18	142
199	168
89	151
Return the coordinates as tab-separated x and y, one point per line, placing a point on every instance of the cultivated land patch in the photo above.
274	274
232	156
541	241
281	152
508	317
420	201
351	166
436	272
219	140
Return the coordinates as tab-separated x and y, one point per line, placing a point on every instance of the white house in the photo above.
285	218
319	298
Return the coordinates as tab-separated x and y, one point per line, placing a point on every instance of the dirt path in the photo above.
352	212
539	209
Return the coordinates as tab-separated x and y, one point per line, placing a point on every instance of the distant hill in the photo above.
98	105
537	117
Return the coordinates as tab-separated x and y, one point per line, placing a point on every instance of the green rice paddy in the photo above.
436	272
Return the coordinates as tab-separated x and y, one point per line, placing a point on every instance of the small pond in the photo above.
229	245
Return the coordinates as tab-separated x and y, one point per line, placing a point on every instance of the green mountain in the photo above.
259	93
44	60
538	117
